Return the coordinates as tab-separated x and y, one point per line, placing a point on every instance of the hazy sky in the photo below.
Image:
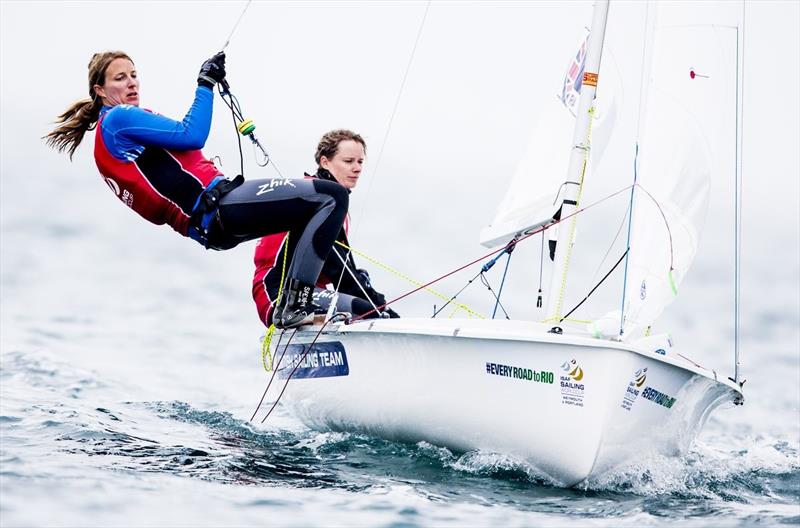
480	72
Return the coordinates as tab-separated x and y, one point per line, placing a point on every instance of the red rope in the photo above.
543	228
666	224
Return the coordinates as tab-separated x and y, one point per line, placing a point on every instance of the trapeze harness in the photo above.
154	165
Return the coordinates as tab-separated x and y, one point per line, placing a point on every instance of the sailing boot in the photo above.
296	307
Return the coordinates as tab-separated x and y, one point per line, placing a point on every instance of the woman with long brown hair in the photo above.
154	165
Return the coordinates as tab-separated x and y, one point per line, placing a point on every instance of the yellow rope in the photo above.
574	220
459	306
265	352
568	319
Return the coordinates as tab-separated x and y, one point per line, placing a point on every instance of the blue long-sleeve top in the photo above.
128	129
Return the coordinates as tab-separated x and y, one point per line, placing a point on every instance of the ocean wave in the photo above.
738	475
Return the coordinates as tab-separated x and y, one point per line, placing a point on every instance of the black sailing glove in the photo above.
212	71
366	283
377	297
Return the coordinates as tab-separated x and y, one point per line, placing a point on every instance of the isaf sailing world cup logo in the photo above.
641	377
574	370
572	387
634	388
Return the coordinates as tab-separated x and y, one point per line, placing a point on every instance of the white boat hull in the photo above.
569	406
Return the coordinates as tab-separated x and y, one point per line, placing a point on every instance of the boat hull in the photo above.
568	407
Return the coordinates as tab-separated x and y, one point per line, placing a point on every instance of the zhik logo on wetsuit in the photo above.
272	184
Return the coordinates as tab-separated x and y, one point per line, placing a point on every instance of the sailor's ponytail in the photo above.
83	115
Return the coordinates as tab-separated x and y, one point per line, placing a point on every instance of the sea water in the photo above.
130	366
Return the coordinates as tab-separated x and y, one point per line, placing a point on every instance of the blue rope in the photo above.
628	242
502	282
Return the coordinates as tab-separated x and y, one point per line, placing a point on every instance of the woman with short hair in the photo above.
340	157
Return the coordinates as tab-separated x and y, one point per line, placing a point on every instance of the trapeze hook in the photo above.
246	128
258	144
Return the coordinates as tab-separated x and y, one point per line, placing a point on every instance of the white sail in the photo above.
532	196
530	201
685	106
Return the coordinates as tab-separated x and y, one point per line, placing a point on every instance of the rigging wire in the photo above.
397	102
406	278
486	267
485	282
509	249
475	261
244	127
595	287
389	128
298	362
738	199
236	25
610	247
628	243
669	230
453	298
643	92
541	269
274	371
233	104
355	279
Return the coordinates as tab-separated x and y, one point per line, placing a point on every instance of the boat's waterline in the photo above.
570	406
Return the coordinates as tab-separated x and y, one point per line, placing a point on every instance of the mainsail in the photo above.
532	196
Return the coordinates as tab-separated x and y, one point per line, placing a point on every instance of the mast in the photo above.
577	162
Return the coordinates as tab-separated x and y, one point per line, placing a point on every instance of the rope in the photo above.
541	269
388	128
233	104
500	291
275	371
265	353
496	296
453	298
410	280
643	93
610	247
299	362
567	320
666	225
737	288
272	377
236	25
628	241
670	275
596	286
468	264
244	127
573	225
394	113
355	279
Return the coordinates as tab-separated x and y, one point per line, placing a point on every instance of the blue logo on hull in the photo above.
323	360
